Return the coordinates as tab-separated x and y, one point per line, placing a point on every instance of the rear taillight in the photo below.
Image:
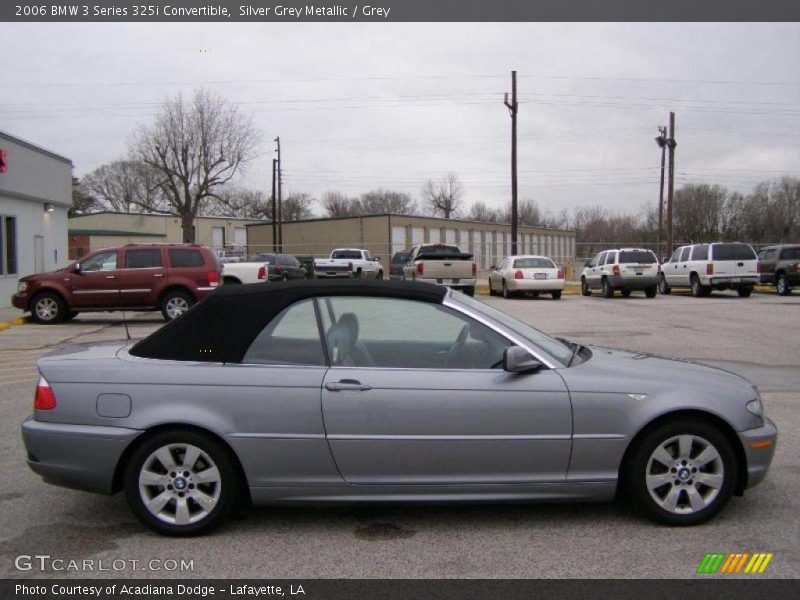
658	268
44	398
349	266
615	269
518	275
474	269
560	274
262	272
710	269
420	268
277	269
758	267
213	278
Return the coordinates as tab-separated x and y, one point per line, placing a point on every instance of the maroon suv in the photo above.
165	277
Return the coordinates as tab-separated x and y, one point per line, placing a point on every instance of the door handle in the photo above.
739	264
158	275
110	277
347	385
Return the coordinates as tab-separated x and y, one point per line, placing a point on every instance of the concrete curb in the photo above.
15	321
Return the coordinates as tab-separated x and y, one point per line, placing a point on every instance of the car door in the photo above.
595	273
141	276
767	261
496	275
681	277
415	395
96	283
670	268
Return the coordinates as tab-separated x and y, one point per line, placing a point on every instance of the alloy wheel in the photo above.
46	309
176	307
684	474
180	484
783	286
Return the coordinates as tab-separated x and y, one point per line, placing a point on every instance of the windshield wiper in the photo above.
575	352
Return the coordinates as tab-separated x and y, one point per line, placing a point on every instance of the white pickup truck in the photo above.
444	264
348	262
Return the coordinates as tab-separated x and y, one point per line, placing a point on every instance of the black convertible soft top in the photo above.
221	327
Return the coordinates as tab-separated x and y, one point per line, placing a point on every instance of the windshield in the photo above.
551	346
346	254
267	258
533	263
640	257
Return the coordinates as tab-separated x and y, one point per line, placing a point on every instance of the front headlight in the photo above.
23	287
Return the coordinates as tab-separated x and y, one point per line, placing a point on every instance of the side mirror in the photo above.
517	360
76	268
376	258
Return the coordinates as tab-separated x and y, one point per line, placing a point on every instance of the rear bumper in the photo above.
333	275
633	283
759	459
82	457
732	281
519	285
451	283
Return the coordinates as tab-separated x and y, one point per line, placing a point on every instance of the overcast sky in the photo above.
359	106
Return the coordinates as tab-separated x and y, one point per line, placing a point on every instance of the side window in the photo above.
676	256
183	257
770	254
105	261
761	255
685	253
601	259
291	338
611	258
395	333
700	252
367	255
143	259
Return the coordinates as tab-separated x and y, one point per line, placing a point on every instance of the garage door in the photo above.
398	239
240	237
417	235
434	235
217	237
450	236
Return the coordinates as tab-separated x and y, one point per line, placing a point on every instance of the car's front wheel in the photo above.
585	287
663	288
682	473
48	307
180	483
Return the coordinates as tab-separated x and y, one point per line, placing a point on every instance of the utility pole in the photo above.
280	196
512	109
661	140
274	213
671	186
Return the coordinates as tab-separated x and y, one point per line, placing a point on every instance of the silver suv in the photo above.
624	269
707	267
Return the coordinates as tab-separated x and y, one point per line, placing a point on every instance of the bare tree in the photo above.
241	202
125	186
443	197
337	204
196	146
297	207
83	203
698	212
480	211
381	202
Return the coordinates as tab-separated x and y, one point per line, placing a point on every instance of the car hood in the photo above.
613	370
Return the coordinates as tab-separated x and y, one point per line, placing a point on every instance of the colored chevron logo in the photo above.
741	562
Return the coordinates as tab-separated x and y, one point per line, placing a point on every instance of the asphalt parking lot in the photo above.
754	336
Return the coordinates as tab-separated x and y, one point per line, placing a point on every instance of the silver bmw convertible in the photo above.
334	391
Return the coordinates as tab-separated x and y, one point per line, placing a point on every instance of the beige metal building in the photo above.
383	235
104	229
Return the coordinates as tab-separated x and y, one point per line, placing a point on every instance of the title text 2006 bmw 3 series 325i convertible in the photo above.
318	391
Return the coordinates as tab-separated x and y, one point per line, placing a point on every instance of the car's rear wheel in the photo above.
682	473
585	287
650	292
534	294
180	483
506	292
608	289
47	308
625	293
175	303
491	289
556	294
783	286
697	287
663	288
744	291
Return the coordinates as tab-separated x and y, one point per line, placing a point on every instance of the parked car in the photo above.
444	264
780	266
399	261
623	269
263	267
526	274
348	262
165	277
707	267
342	391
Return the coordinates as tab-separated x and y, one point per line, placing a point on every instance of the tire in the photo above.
585	287
231	281
534	294
48	308
782	285
175	303
663	288
556	294
491	289
379	275
651	291
470	291
744	292
697	288
695	491
506	293
608	291
285	277
359	274
625	293
219	487
69	315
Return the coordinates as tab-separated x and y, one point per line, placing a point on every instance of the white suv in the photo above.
707	267
624	269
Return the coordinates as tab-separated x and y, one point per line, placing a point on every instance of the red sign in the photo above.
3	161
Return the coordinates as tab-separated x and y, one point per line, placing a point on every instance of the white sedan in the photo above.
522	274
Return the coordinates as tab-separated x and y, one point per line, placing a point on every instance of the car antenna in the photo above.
122	308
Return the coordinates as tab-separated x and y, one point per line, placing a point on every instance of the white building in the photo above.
35	194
